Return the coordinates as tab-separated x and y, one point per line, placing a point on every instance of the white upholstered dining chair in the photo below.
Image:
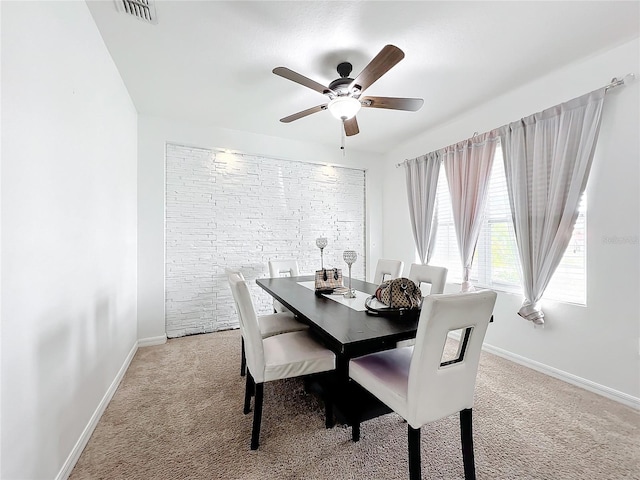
282	268
387	269
269	325
286	355
434	277
418	384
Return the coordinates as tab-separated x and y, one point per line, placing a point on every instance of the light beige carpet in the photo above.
178	415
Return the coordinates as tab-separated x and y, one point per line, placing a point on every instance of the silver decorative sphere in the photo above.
321	242
350	257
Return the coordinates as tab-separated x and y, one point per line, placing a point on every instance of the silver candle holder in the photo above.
350	257
321	242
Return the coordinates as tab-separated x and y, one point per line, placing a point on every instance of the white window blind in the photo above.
495	263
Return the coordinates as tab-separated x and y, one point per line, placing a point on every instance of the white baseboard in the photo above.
607	392
150	341
73	457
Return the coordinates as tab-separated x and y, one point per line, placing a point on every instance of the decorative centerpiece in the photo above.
350	257
321	242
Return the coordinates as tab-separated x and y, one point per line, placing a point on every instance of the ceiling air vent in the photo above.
144	10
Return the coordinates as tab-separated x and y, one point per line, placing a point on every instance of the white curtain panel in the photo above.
547	159
468	168
422	181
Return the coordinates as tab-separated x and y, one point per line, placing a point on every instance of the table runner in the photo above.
354	303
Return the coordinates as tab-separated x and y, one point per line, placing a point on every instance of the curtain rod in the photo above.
615	82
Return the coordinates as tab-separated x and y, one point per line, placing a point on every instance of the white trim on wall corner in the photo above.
151	341
607	392
73	457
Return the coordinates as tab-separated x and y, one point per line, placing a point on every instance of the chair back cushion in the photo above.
254	349
436	391
435	276
279	268
393	268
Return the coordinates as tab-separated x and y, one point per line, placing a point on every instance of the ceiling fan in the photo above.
345	93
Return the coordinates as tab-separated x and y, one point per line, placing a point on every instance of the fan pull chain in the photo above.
342	137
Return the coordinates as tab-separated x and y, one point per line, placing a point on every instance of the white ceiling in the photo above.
211	62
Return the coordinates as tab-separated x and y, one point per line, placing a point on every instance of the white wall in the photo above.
155	132
68	233
597	343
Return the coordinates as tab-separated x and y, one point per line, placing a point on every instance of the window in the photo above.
495	263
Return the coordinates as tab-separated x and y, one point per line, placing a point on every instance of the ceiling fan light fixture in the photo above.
344	108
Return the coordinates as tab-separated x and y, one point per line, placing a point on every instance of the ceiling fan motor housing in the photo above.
341	85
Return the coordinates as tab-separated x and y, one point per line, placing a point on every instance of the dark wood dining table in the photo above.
348	333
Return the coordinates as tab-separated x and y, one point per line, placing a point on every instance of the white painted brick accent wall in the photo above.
240	211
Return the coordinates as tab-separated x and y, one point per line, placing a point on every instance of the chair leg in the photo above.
257	417
253	386
247	393
466	434
243	361
415	470
355	416
355	431
328	413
